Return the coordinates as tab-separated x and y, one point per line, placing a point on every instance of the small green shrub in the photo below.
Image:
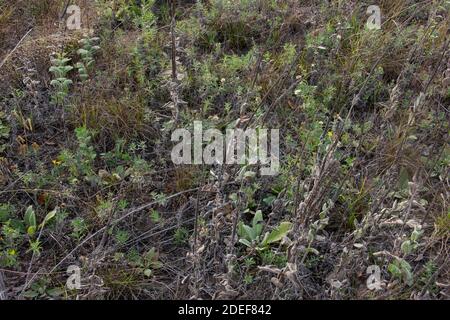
60	70
250	236
80	163
87	56
181	236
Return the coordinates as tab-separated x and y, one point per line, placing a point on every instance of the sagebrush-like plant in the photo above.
61	83
87	56
79	163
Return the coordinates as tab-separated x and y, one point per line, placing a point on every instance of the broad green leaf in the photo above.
277	234
245	242
406	247
394	270
48	217
408	277
269	200
415	235
30	217
56	292
407	272
31	230
256	223
240	230
30	294
249	232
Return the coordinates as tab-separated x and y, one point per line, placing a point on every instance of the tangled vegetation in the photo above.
359	209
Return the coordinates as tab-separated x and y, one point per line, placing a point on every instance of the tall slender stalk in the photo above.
172	34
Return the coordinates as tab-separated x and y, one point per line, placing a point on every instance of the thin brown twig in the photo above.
15	48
